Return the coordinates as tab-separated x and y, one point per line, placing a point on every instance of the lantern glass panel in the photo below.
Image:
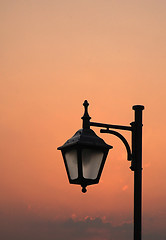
91	162
71	160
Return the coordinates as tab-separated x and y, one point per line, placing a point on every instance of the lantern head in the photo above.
84	156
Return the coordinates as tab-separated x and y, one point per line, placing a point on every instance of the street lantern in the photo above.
84	156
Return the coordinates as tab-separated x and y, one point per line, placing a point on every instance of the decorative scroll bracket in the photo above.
129	154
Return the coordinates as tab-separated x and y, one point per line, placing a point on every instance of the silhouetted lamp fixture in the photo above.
85	153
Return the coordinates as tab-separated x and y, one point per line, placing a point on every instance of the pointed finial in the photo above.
86	118
86	104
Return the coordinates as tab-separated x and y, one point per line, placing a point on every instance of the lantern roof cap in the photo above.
86	137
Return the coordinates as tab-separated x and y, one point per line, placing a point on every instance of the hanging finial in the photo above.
84	190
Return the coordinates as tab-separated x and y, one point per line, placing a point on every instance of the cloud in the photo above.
30	227
125	187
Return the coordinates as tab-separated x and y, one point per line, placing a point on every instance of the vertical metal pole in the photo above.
137	167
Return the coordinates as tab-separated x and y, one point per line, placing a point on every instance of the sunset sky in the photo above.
54	55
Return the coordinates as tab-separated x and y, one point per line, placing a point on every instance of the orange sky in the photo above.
54	55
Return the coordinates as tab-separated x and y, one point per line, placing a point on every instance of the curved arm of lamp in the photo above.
129	154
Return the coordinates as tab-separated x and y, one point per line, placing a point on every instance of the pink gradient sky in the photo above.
54	55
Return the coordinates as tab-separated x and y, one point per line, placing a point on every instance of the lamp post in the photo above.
85	154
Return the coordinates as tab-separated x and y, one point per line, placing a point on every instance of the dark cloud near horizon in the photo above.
70	229
31	228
